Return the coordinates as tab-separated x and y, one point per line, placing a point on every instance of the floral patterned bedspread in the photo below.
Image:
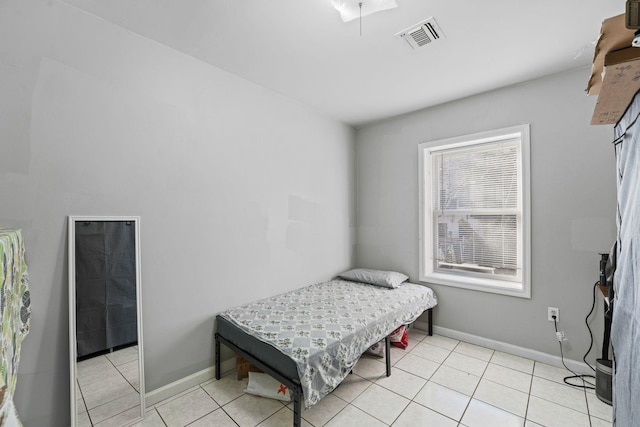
326	327
15	303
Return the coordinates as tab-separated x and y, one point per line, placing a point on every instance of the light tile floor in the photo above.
108	389
437	381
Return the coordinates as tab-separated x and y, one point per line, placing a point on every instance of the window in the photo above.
474	211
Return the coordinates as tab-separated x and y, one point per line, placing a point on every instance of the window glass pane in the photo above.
477	243
485	177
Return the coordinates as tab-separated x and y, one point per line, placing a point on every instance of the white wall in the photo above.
573	207
242	193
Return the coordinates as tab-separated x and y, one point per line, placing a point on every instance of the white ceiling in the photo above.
302	49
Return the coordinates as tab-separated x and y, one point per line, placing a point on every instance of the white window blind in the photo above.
474	221
476	208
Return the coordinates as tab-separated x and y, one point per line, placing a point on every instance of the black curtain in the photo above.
105	285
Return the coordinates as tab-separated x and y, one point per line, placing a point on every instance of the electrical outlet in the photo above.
553	311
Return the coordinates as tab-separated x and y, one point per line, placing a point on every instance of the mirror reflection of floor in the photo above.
108	389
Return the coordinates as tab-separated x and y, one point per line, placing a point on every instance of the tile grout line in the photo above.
106	403
431	409
526	411
427	382
199	386
336	414
474	391
161	417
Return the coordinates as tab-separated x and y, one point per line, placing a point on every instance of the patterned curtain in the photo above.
15	316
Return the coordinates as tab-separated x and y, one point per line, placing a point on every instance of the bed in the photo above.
309	339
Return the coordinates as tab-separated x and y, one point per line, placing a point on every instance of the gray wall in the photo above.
242	193
572	196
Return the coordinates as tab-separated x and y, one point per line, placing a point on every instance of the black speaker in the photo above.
603	380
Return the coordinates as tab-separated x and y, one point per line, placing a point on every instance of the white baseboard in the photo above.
170	390
550	359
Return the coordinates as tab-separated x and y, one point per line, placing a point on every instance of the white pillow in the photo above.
263	385
387	279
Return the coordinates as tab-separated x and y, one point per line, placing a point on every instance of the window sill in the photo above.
503	287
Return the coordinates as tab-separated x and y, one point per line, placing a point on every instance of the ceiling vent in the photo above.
422	34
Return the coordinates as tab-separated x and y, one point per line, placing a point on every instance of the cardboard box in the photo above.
615	75
613	36
243	367
620	84
623	55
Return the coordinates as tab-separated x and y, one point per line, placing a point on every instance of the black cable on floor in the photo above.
582	377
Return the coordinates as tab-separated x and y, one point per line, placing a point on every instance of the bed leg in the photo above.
387	352
430	315
217	357
297	409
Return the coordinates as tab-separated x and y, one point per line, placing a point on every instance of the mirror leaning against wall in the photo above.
105	320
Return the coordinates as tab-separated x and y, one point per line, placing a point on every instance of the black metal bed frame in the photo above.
292	383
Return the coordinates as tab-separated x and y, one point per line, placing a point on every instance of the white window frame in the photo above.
518	288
